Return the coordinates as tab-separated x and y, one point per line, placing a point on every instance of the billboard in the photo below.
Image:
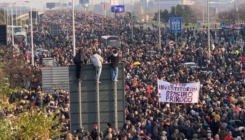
50	5
118	8
107	96
3	34
83	1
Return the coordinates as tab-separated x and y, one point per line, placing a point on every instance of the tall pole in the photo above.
12	23
93	10
104	9
32	44
7	16
159	23
132	20
16	23
237	10
103	15
85	19
208	30
20	19
73	29
4	12
203	11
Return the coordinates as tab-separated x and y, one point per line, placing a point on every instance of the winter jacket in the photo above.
114	59
96	60
228	137
222	134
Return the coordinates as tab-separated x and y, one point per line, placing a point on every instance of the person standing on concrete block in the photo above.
79	61
97	61
114	61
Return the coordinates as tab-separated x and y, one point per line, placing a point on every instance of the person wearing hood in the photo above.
97	61
79	61
114	61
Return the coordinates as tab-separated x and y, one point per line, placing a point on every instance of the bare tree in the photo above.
15	68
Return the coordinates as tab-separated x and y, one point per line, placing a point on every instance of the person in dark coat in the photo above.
114	61
95	133
79	61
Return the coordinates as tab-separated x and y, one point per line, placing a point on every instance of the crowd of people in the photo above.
219	114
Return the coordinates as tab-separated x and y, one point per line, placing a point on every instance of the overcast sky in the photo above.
39	3
62	1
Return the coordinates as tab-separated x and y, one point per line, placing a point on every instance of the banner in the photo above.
178	93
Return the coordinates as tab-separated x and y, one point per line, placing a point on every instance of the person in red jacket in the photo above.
229	136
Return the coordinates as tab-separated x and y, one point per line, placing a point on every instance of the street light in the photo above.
208	31
4	15
12	28
132	21
73	28
32	46
159	22
16	23
237	10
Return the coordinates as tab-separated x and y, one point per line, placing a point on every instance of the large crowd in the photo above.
219	114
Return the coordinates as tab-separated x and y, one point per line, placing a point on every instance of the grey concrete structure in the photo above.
89	98
55	78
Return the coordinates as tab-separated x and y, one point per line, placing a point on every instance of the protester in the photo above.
219	113
114	61
97	61
79	61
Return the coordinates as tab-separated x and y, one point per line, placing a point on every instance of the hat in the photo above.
96	125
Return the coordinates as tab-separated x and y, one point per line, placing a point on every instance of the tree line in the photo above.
231	16
184	11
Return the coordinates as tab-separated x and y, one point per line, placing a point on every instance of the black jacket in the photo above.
79	58
114	60
94	134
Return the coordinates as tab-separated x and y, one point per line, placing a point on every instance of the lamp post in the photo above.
7	16
4	15
73	28
93	11
237	10
159	22
132	20
16	23
103	15
12	25
32	44
203	10
208	30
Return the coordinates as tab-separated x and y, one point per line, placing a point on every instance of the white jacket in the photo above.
96	60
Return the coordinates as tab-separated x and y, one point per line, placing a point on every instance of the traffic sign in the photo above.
175	24
199	24
135	18
171	43
222	24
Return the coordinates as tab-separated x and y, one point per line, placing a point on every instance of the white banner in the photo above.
178	93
